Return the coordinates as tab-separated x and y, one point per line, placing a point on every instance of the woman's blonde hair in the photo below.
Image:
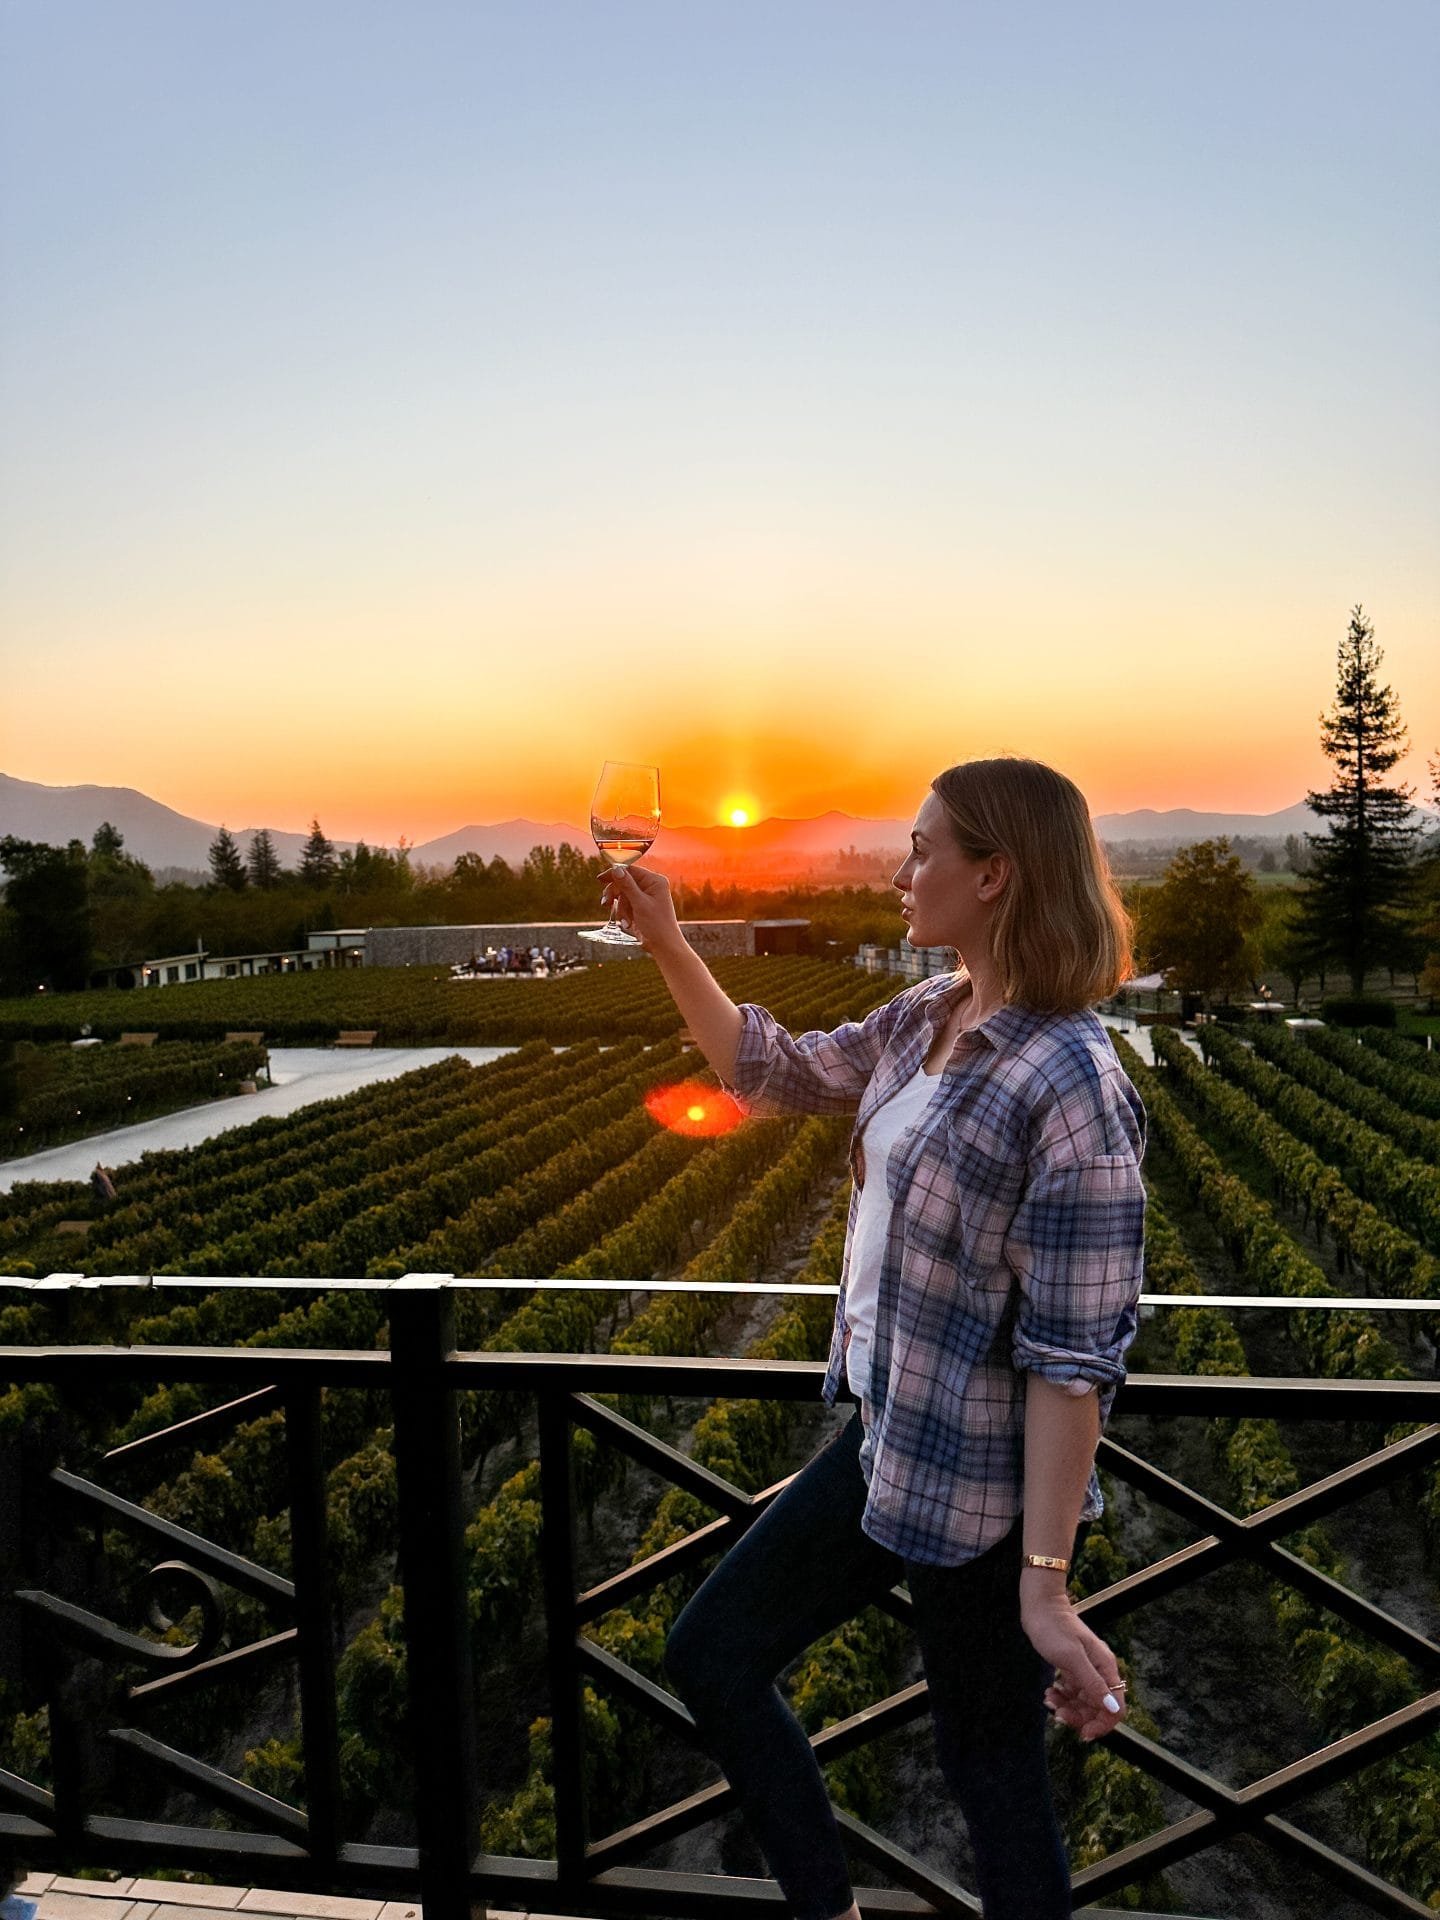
1060	938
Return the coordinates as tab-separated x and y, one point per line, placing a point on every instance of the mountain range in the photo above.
163	838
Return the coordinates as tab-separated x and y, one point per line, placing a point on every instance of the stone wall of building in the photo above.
450	946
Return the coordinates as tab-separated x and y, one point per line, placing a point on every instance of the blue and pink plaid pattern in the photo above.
1016	1242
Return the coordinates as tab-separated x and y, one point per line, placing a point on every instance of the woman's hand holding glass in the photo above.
645	908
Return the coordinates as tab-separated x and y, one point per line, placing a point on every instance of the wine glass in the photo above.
624	820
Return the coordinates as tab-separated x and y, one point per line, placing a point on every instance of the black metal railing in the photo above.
47	1511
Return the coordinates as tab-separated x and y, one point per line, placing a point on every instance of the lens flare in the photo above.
691	1107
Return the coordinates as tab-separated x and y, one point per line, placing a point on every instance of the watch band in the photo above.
1050	1560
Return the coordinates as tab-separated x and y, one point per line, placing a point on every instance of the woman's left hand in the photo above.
1088	1693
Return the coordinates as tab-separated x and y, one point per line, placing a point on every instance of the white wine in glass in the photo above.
624	820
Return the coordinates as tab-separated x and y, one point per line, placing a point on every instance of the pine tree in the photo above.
263	863
227	869
317	862
1360	870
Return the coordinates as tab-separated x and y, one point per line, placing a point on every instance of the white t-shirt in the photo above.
872	1221
872	1226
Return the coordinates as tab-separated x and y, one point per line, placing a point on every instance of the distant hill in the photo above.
1181	825
511	839
769	850
688	849
154	833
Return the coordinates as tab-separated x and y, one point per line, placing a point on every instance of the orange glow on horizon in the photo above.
864	747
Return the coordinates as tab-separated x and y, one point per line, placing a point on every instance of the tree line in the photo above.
71	911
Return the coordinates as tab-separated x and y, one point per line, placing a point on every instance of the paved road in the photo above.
302	1075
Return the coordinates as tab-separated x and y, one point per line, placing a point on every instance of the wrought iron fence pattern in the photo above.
48	1511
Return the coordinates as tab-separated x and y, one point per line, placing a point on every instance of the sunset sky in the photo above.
404	408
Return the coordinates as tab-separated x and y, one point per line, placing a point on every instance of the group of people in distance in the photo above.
537	960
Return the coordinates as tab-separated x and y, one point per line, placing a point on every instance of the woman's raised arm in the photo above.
707	1010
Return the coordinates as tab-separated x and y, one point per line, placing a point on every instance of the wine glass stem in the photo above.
612	925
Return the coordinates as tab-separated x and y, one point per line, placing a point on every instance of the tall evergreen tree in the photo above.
227	869
317	862
263	863
1360	877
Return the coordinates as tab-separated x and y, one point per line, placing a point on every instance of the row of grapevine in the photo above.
538	1224
1407	1085
1334	1344
343	1228
1344	1683
230	1494
342	1189
1409	1053
1405	1188
502	1539
636	1250
234	1164
410	1006
1411	1132
1394	1261
220	1182
65	1093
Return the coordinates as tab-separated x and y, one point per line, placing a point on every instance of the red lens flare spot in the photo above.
689	1107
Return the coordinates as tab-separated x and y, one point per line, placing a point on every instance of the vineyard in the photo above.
414	1006
1301	1168
64	1093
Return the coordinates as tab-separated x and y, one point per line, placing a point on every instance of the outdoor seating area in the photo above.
537	961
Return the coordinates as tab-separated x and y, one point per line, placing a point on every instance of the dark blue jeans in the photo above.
802	1569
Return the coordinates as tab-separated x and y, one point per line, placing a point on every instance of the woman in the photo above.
988	1293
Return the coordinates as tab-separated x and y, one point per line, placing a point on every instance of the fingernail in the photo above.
1110	1703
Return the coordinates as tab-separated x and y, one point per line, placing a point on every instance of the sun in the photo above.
739	817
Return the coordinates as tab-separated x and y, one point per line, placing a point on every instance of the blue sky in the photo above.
654	381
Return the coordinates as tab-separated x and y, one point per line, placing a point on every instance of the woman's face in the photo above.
946	898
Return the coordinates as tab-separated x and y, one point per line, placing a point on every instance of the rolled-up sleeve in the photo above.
1076	1245
778	1072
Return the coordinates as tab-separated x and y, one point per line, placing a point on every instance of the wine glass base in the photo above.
609	936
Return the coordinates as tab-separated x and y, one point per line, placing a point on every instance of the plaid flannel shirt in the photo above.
1015	1243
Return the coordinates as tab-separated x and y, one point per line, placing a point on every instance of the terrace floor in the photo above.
60	1898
